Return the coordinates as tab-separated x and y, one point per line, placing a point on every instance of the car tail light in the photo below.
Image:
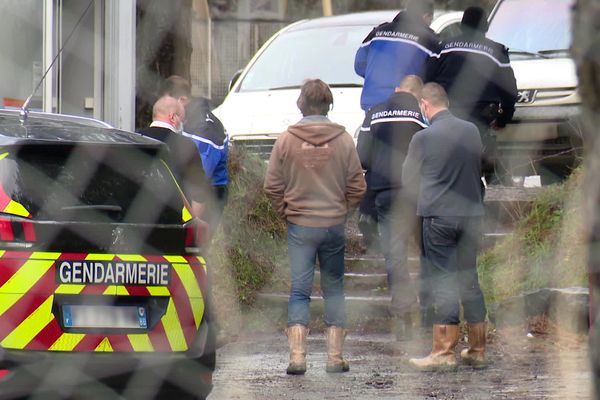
196	235
16	233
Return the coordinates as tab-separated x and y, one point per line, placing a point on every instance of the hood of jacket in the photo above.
317	133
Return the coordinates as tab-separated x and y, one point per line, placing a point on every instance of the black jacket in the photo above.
476	73
384	138
183	160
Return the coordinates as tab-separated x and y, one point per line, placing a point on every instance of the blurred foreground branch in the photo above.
586	50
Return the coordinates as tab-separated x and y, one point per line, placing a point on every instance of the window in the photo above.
21	23
91	183
533	25
325	53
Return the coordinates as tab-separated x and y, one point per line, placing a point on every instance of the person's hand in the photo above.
495	125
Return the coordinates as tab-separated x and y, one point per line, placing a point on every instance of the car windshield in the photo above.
324	53
533	26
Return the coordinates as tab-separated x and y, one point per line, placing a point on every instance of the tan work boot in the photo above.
297	341
335	344
475	354
445	338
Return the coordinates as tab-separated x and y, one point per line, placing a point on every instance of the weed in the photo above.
251	240
546	249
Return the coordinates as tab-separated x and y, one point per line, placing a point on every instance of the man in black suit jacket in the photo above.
182	157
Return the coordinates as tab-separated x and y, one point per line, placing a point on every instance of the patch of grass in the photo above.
251	239
546	249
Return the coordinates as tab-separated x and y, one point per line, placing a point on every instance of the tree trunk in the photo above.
586	51
163	48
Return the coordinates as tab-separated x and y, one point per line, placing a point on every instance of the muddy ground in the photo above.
535	366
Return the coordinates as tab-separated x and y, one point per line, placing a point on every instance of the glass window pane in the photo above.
21	23
533	25
325	53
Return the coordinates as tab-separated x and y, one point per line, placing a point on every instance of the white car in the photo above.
545	132
262	99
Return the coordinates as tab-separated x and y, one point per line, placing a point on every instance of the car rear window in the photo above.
91	183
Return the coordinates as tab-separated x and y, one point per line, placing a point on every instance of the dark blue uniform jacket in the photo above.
389	53
476	72
384	139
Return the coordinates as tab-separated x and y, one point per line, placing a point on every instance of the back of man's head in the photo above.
315	98
475	18
411	84
176	86
164	107
435	95
419	8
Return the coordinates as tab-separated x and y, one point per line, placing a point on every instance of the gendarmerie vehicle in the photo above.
101	271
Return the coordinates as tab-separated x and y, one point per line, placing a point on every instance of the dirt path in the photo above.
522	367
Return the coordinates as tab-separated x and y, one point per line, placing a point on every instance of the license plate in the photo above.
99	316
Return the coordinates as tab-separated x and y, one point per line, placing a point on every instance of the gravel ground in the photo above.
540	366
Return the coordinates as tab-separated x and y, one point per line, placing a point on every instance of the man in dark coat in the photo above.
445	160
181	156
476	73
382	146
211	140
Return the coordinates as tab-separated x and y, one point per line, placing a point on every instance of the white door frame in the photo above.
114	60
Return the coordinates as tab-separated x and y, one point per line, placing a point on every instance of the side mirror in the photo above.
235	78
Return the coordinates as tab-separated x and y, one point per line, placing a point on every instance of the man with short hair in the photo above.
314	179
382	146
476	73
445	160
168	115
209	136
394	50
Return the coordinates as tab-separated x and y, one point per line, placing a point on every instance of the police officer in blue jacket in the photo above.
394	50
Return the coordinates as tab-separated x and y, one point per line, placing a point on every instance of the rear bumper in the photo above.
67	374
45	372
200	352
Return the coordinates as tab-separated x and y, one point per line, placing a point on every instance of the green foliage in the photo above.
546	249
251	240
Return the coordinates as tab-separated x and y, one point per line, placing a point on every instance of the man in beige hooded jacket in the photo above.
314	179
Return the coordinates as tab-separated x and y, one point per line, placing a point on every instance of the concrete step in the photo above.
360	310
370	264
361	284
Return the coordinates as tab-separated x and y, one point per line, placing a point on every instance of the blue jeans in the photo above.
304	245
450	247
396	222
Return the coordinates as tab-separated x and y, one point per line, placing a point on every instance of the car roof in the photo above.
369	18
42	128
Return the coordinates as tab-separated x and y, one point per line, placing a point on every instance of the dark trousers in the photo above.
450	247
396	218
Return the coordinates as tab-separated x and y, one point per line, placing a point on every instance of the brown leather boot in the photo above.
297	341
335	344
475	354
441	358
